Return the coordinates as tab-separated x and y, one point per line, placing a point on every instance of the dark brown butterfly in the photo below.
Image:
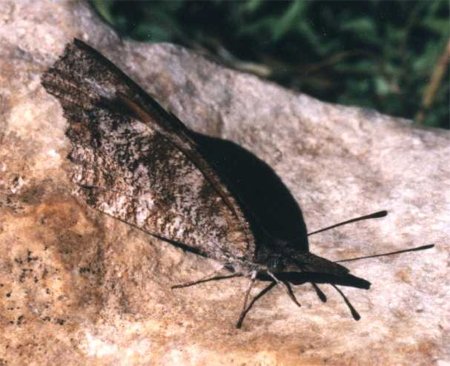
138	163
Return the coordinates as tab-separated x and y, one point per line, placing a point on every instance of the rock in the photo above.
77	287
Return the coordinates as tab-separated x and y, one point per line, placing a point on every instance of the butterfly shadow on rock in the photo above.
269	206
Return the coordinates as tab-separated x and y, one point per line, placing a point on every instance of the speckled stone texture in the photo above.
80	288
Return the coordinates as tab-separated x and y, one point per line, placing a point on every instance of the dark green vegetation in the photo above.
392	56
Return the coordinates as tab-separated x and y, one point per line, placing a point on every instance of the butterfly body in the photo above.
138	163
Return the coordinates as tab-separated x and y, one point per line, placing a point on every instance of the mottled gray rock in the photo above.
79	288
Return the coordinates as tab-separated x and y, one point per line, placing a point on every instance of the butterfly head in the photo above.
296	267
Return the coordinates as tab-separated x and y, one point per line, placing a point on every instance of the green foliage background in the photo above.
388	55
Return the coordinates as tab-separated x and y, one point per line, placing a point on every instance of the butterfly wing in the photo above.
136	162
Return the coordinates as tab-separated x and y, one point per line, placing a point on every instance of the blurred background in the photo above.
392	56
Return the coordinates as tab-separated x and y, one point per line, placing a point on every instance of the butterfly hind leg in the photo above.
213	276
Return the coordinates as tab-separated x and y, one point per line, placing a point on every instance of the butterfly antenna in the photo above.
415	249
374	215
353	311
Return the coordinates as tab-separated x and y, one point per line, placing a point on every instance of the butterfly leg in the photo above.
245	311
287	287
319	292
247	294
290	292
214	276
353	311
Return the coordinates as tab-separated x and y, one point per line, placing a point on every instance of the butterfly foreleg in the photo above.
286	286
319	292
353	311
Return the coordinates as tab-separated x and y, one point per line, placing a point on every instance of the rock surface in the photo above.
79	288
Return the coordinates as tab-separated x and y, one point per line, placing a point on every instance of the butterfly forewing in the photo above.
138	164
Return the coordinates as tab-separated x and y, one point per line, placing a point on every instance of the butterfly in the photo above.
135	161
